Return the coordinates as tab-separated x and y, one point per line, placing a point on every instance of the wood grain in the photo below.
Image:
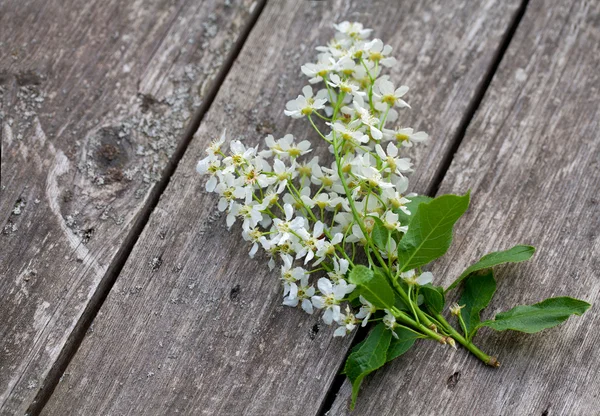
193	326
531	158
95	99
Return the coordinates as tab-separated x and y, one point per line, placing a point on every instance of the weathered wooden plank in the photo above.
95	99
532	161
193	325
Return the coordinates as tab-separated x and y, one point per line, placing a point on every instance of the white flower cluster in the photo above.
312	217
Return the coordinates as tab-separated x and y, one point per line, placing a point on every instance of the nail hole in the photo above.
235	291
314	331
453	380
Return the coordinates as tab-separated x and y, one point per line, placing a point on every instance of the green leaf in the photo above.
479	288
380	234
398	346
373	286
360	275
430	231
534	318
371	355
434	297
401	304
412	206
513	255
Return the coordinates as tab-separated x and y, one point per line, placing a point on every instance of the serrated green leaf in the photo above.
373	286
380	234
513	255
354	349
534	318
433	297
412	206
360	274
430	230
398	346
371	355
479	288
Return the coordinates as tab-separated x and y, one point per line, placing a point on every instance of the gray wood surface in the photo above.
95	97
193	326
531	158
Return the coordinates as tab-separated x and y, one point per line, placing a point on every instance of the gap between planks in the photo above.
433	188
114	270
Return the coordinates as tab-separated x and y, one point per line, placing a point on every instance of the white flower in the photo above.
425	278
337	203
317	72
373	177
212	166
352	30
250	214
271	198
340	268
331	297
347	66
380	53
406	136
309	242
395	200
391	249
305	169
366	310
367	118
286	228
386	95
389	320
327	248
350	132
290	276
305	104
256	237
286	147
347	321
215	146
253	176
328	178
411	278
356	236
283	174
348	87
240	155
390	221
394	164
302	294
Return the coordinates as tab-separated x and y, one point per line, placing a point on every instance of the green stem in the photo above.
317	129
357	219
412	306
463	325
406	319
382	123
487	359
321	116
419	313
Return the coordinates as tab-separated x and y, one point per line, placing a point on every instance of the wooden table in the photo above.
122	292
